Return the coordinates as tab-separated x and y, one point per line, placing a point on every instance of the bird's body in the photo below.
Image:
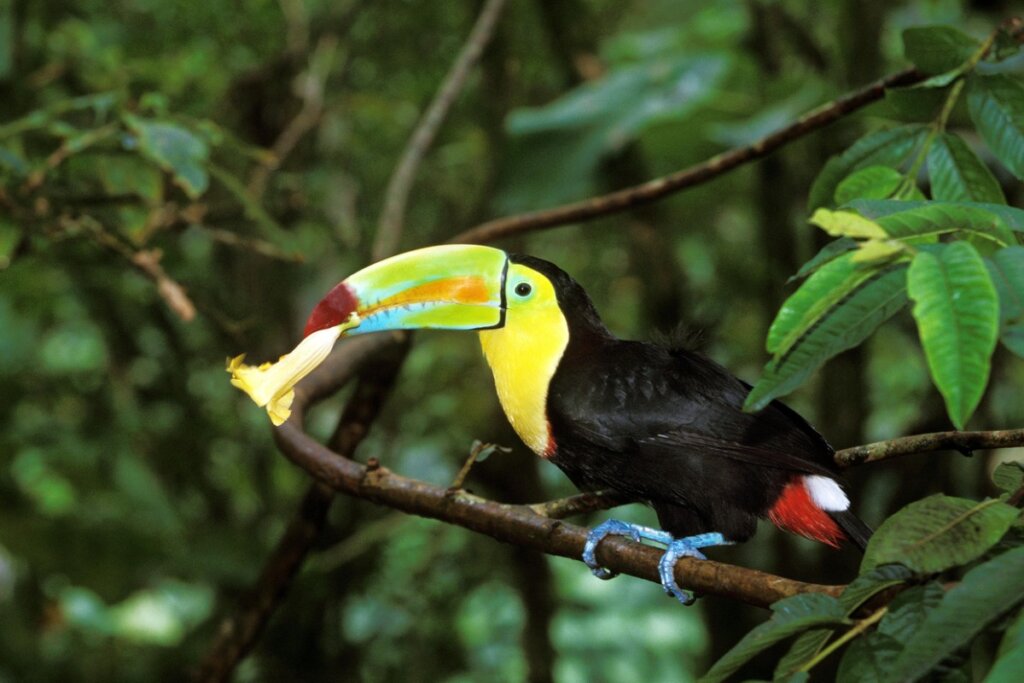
664	426
659	425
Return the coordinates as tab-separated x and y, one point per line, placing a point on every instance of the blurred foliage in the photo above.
232	157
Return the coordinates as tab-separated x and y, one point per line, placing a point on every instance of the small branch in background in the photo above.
580	504
659	188
965	442
310	85
479	451
396	196
255	245
146	261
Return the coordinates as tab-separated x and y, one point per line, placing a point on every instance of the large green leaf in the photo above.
1009	476
789	617
937	49
985	594
872	182
889	147
996	104
939	532
557	148
932	220
1006	267
957	312
856	594
957	174
176	150
879	208
868	659
1010	657
828	253
834	310
909	609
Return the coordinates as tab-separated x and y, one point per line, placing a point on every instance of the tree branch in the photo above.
659	188
389	228
521	525
964	442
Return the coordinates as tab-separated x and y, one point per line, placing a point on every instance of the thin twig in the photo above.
389	228
659	188
923	443
858	628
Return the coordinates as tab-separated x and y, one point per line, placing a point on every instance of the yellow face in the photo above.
524	354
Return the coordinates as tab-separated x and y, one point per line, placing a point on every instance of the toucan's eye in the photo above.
523	289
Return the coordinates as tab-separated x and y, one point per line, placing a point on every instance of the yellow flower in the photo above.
272	384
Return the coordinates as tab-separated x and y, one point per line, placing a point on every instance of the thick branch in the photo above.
659	188
923	443
389	229
522	526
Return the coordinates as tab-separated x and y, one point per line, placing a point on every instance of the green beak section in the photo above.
452	287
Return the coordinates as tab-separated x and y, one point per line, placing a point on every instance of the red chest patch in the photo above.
796	512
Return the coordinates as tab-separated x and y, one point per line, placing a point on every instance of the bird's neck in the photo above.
524	355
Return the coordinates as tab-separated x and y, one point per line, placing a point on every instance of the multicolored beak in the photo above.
451	287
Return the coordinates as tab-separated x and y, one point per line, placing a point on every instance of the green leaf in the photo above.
939	532
1009	476
874	251
827	254
1010	657
789	617
877	209
882	148
937	49
873	182
909	609
174	149
996	105
1006	268
834	310
932	220
957	174
859	591
957	312
847	224
985	594
868	659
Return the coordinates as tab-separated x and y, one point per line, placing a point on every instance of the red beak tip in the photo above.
333	309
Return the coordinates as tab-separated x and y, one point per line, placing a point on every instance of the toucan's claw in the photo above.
676	548
684	547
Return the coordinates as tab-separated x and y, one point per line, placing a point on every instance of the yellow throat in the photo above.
525	353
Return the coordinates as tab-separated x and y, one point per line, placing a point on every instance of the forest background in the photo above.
182	181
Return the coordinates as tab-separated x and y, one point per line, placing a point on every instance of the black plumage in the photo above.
666	426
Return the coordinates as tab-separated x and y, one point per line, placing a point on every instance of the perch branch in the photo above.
389	229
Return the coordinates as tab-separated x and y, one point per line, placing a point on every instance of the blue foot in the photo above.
676	548
684	547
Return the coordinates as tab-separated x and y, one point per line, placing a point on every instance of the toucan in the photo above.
664	426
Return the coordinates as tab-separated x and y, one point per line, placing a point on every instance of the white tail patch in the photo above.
826	493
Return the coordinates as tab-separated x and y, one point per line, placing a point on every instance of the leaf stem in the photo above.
858	628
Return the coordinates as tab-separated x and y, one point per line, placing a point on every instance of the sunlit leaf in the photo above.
996	104
957	174
957	312
847	224
939	532
985	594
828	253
890	147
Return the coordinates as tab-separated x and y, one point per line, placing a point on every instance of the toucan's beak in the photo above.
453	287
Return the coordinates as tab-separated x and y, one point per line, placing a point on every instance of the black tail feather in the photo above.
857	531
